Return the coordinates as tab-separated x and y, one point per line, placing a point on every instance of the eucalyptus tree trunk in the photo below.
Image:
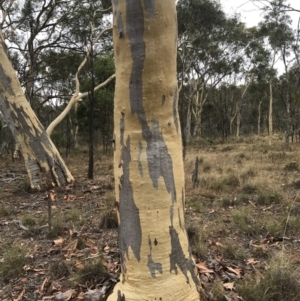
149	177
259	117
270	119
43	162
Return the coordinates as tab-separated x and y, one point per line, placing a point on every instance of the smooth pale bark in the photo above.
42	160
270	119
149	176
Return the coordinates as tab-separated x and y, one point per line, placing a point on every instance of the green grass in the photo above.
13	262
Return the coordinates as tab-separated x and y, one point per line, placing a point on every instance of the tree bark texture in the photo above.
42	160
149	176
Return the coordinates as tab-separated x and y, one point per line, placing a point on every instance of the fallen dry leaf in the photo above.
252	261
52	195
58	242
89	243
48	297
69	197
202	268
229	285
42	287
20	295
65	296
235	271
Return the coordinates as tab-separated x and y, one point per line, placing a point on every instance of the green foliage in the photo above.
28	220
92	271
13	263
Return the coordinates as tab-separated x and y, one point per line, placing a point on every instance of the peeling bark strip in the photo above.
44	164
130	226
159	161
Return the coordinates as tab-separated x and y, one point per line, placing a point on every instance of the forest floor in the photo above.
243	221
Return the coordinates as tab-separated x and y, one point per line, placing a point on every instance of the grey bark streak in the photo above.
177	259
130	227
153	266
159	161
150	7
6	81
119	19
122	129
175	103
139	159
35	143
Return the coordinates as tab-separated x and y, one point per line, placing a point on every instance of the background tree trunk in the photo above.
43	162
270	119
148	165
259	118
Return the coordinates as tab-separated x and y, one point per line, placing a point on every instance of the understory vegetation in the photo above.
242	220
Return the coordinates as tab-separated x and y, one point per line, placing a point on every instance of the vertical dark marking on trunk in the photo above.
179	218
120	26
5	82
175	113
130	227
171	214
153	266
122	129
150	7
163	99
121	297
178	259
159	160
140	167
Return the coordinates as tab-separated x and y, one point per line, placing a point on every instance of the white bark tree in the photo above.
149	176
42	160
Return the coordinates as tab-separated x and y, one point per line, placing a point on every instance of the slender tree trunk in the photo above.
270	113
259	118
43	162
238	108
149	176
188	123
91	119
288	125
238	122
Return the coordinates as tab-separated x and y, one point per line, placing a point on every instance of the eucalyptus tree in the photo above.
211	47
276	27
40	28
44	164
156	261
